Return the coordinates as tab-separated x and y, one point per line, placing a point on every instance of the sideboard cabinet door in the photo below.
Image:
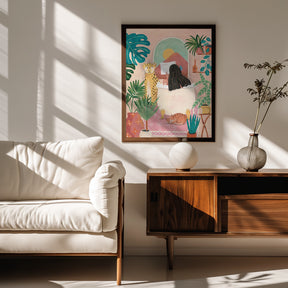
181	204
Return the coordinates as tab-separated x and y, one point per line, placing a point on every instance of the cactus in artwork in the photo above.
193	123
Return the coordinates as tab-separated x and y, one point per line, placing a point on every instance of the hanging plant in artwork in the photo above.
204	95
207	67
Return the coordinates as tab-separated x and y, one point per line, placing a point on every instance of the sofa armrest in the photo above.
103	192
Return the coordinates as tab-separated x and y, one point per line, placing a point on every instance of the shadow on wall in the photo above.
60	84
64	78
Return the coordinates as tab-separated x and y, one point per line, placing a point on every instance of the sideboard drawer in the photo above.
254	213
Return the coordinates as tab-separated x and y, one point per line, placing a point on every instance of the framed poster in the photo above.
168	83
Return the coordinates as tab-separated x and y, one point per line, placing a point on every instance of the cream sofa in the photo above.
59	199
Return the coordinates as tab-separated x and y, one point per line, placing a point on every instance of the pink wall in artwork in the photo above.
155	34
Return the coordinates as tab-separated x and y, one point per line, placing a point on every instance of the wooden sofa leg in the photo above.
119	270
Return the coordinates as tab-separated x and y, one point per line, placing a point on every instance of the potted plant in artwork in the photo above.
195	44
192	125
134	122
253	158
200	45
203	100
146	108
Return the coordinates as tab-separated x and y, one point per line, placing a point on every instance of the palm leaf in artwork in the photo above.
146	108
193	43
136	90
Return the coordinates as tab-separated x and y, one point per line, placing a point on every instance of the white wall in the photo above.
60	78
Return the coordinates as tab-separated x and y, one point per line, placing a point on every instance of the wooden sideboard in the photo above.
216	203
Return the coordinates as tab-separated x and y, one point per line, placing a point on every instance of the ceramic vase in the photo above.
252	158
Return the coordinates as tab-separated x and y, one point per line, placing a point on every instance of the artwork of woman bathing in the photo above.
176	90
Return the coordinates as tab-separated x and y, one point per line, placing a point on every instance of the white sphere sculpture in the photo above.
183	156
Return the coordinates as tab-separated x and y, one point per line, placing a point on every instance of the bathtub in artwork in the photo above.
172	104
176	101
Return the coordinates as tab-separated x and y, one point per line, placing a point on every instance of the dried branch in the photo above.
264	93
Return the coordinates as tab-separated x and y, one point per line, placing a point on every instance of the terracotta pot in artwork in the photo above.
189	135
134	124
199	51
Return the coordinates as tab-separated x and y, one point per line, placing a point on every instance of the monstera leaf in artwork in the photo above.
129	70
136	52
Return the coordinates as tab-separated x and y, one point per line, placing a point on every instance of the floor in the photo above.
144	271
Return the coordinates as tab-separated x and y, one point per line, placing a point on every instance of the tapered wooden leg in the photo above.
120	229
119	270
170	250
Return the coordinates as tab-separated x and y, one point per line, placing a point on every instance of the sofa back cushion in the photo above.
59	170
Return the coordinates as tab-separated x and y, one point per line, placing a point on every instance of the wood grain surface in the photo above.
179	204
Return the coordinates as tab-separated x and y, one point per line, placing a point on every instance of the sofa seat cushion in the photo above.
50	215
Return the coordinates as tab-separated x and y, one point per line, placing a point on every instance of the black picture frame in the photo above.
149	52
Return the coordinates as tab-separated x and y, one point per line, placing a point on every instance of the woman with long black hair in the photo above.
176	80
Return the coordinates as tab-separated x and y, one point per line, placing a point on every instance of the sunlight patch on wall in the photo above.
236	136
40	97
94	80
4	6
4	71
43	20
106	58
70	92
3	51
277	157
105	113
65	131
3	115
80	98
41	78
70	33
